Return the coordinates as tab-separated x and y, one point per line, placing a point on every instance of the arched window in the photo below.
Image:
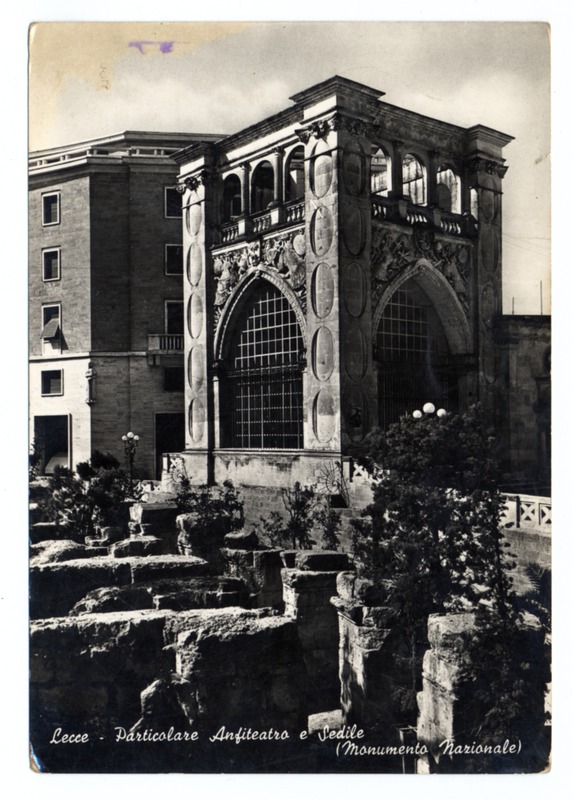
231	198
262	383
448	190
295	175
414	180
380	172
413	356
262	187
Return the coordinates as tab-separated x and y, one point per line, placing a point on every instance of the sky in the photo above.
93	79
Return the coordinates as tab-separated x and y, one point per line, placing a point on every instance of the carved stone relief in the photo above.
393	252
284	254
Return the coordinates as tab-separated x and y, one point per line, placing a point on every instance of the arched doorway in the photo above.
413	356
261	382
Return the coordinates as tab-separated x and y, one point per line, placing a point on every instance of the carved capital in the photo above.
489	166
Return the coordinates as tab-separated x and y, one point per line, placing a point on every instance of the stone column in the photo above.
432	178
397	170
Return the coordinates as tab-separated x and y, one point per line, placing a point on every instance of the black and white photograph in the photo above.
290	404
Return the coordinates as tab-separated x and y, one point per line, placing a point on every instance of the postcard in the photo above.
290	398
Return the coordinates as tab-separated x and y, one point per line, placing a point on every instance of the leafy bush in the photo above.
218	506
307	513
92	497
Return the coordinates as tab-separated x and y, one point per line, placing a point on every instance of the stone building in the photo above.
526	419
342	266
105	299
259	302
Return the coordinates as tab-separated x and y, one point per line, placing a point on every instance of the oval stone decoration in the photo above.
322	290
354	230
488	304
323	416
195	315
323	354
196	368
321	175
354	172
321	231
195	217
355	353
197	419
354	289
488	204
194	264
356	414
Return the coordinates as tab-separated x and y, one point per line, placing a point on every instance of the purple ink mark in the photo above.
164	47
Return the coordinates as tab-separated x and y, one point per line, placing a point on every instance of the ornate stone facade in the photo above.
285	221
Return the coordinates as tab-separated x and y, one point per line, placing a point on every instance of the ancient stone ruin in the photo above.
169	651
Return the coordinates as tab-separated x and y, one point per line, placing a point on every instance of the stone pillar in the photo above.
366	661
245	188
340	391
486	170
442	679
432	178
308	589
278	164
198	209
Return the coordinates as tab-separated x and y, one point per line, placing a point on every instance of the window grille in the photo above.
261	395
411	370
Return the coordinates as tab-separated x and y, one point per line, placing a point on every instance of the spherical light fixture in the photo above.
428	408
441	412
417	414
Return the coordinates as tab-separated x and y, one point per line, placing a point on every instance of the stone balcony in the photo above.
165	348
402	212
383	209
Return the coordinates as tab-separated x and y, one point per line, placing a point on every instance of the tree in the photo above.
432	539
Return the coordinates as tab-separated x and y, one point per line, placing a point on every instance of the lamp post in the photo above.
130	441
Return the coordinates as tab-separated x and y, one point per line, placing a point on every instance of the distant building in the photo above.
106	299
526	417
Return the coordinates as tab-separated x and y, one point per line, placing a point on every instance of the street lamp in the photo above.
130	441
428	409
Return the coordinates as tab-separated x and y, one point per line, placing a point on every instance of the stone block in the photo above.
40	531
322	560
446	631
54	551
244	540
136	546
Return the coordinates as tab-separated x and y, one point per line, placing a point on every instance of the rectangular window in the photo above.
52	382
51	265
174	379
174	317
51	209
51	321
173	259
173	202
